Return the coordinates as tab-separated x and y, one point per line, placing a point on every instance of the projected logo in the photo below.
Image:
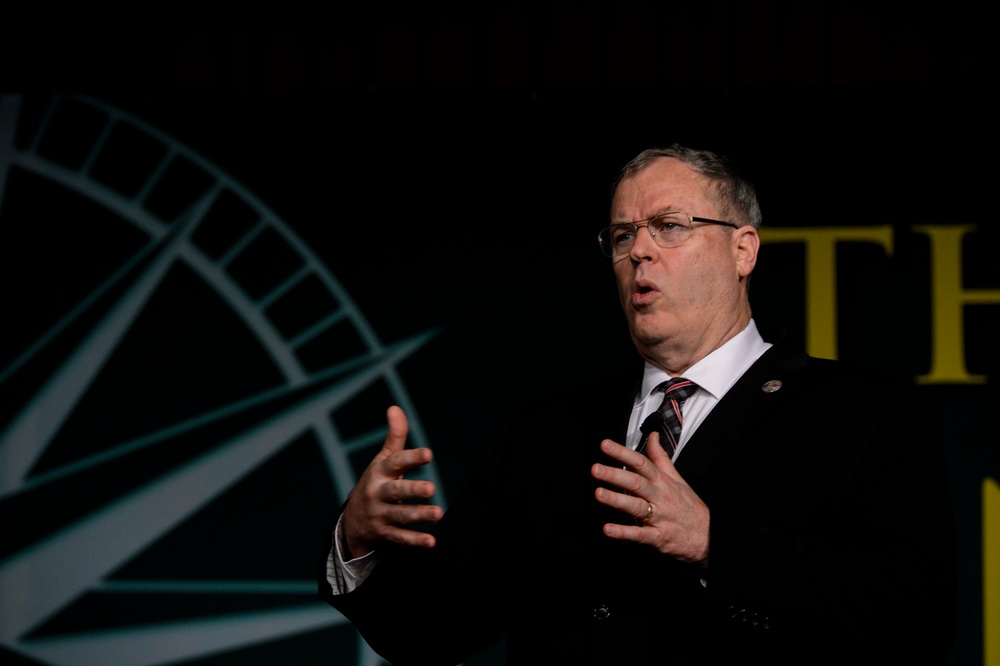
186	396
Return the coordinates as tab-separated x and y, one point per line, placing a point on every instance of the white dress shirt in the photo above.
715	374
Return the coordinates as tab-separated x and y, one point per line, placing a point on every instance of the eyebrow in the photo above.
663	211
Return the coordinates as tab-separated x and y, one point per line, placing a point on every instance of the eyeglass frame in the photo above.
645	223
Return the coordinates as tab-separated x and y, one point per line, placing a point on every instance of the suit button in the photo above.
602	613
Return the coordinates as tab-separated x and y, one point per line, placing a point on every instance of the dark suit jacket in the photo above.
831	538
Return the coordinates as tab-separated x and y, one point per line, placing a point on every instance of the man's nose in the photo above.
643	246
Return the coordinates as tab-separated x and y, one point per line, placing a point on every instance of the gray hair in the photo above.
736	195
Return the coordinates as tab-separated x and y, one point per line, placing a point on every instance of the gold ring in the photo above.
649	513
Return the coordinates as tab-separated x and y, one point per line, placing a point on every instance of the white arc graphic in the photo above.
43	577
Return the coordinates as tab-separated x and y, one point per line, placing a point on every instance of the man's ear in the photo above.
746	243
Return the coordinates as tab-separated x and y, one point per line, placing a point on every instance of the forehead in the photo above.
665	184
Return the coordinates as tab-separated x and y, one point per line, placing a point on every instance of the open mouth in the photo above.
642	291
643	287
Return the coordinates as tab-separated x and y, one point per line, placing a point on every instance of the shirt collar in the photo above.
718	371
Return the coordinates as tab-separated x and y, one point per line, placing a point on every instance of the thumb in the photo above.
398	429
657	454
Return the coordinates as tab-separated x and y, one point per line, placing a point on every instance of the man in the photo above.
802	514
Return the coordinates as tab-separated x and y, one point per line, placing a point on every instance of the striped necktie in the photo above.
668	418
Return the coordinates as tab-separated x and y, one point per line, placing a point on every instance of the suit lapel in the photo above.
742	406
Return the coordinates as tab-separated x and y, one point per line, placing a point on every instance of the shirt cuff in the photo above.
345	576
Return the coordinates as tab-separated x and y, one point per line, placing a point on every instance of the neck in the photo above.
675	356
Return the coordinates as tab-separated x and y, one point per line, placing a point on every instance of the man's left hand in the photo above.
670	516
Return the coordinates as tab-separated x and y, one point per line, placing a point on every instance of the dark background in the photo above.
452	164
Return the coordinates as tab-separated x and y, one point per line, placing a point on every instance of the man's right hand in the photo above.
379	507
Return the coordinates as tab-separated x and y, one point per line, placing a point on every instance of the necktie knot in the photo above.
678	388
668	418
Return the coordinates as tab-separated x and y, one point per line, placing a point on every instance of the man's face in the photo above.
681	302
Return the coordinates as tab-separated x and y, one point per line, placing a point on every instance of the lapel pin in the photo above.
771	386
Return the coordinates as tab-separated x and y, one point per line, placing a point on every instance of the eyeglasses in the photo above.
666	229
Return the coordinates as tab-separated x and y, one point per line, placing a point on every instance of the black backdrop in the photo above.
476	214
471	209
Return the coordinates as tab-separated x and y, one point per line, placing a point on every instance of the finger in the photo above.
407	537
633	506
632	459
629	533
402	490
395	465
404	514
626	479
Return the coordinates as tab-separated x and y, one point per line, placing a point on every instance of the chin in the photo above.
646	338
